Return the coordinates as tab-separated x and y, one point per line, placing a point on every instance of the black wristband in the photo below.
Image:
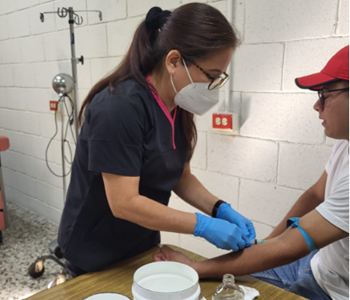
216	208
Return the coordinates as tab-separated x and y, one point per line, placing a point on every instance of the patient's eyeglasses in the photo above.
323	99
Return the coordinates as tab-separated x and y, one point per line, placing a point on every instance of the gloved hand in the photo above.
226	212
221	233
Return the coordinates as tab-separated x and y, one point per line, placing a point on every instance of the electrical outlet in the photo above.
222	121
54	105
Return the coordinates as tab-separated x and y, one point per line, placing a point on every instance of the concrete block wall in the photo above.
280	151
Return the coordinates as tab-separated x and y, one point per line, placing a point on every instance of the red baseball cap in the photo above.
336	69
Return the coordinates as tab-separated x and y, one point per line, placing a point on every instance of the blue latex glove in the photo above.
221	233
226	212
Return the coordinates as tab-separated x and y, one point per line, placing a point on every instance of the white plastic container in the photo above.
166	281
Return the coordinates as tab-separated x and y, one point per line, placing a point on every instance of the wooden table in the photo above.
119	278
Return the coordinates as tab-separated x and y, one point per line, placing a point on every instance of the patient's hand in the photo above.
168	254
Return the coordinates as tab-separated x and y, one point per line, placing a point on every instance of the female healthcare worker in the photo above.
137	139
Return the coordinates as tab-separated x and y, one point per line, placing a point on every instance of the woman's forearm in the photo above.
194	193
126	203
155	216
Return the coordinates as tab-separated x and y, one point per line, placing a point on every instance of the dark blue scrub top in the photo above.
125	132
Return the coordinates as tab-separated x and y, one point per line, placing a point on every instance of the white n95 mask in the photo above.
196	97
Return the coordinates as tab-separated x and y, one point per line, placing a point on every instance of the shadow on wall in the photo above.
244	110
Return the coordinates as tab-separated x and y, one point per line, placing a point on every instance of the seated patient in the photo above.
310	257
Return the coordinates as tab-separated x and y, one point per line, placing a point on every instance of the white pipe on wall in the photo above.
229	16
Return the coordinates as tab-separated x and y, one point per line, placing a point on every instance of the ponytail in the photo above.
134	65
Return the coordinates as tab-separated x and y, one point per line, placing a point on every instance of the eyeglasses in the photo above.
215	82
323	99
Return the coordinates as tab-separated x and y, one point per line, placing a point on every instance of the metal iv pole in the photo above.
74	62
37	268
73	18
78	20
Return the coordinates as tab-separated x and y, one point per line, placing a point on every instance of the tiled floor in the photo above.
26	238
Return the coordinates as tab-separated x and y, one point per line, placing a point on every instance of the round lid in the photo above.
107	296
166	280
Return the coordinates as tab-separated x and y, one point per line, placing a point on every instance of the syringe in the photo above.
256	241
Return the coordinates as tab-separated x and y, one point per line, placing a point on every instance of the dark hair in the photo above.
196	30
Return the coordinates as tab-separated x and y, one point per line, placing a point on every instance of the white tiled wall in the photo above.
269	21
281	149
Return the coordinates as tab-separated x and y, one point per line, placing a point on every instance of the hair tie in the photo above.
156	17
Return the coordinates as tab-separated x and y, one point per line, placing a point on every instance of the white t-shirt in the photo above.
330	266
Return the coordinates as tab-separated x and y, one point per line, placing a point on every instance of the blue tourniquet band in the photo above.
294	223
